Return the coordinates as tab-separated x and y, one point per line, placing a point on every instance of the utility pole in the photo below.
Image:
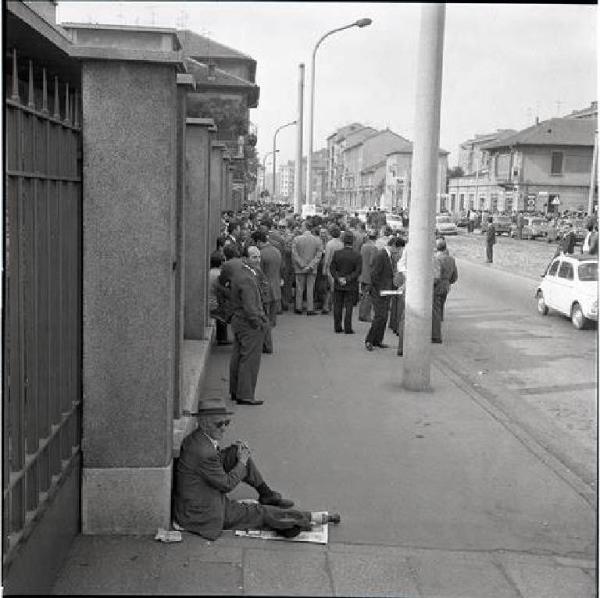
590	209
298	201
419	280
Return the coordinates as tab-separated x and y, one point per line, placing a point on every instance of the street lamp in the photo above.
275	149
265	170
360	23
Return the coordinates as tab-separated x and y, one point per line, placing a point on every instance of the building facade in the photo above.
398	174
544	168
471	157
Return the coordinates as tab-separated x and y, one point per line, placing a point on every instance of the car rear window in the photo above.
565	271
588	271
443	219
503	219
554	268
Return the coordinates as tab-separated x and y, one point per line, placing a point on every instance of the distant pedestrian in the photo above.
306	254
445	274
490	240
520	224
216	305
270	264
345	269
590	243
333	245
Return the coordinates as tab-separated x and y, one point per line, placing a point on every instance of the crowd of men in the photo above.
268	260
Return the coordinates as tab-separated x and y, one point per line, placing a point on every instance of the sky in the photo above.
503	64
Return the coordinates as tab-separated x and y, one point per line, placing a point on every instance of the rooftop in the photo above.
200	47
555	131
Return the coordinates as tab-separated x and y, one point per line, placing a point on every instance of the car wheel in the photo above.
541	304
577	317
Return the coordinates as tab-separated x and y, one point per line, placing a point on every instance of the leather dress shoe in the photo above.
298	311
364	320
381	345
338	331
349	331
369	346
324	312
436	340
224	343
275	499
311	313
245	402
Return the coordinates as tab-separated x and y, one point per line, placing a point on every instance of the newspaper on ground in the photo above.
319	534
168	535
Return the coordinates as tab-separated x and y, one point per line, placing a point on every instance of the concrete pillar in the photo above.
225	180
129	98
230	170
419	279
185	82
216	182
196	218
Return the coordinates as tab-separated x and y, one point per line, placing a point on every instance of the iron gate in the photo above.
43	290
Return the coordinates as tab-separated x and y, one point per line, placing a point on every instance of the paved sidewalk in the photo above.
439	516
244	566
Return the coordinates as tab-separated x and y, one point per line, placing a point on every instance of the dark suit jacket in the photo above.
201	484
382	275
346	263
270	263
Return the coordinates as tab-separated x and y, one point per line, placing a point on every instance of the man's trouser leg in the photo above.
365	305
380	313
401	312
234	362
338	298
250	342
310	290
300	284
348	306
272	309
267	345
490	252
436	316
221	332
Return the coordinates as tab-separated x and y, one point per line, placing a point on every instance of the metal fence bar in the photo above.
43	285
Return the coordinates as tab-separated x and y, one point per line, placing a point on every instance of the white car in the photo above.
570	286
444	225
394	221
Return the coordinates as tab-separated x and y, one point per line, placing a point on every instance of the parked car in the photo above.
461	219
501	223
570	286
394	221
533	227
445	226
556	231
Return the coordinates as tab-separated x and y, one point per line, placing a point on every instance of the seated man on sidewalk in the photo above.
205	473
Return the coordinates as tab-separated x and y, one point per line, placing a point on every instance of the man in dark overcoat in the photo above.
382	275
345	269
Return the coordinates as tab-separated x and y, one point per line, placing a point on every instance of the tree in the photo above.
457	171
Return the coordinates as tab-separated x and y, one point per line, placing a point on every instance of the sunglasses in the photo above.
222	424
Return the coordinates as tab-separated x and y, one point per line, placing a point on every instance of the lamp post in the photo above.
274	152
265	170
360	23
